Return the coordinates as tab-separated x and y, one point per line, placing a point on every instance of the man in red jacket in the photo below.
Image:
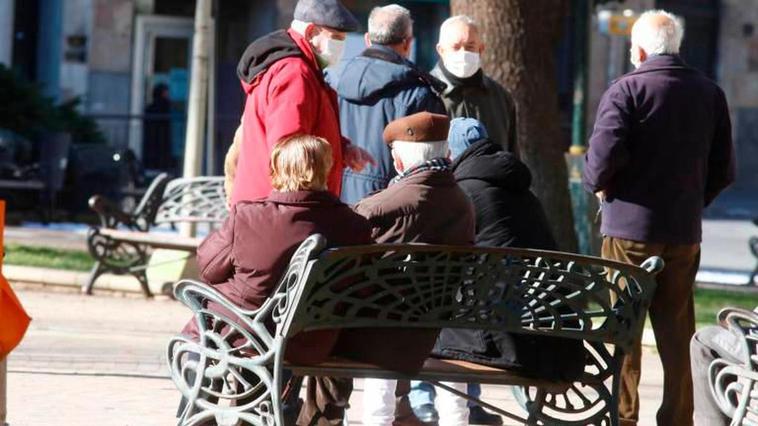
286	95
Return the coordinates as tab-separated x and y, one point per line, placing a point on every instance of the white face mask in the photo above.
462	63
332	50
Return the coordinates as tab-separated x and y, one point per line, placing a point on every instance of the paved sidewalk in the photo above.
99	361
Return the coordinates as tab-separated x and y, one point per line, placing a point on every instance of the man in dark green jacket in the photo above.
469	92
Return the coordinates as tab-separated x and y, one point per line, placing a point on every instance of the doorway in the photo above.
162	59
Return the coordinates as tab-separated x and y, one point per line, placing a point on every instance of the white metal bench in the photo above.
734	385
121	243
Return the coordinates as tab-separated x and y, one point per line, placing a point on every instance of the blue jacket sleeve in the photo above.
608	151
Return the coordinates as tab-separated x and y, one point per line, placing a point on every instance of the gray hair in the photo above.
658	36
457	19
388	25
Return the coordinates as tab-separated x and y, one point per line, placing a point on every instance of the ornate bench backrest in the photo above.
193	200
144	213
430	286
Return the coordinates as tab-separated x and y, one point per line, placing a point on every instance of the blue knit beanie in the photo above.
464	132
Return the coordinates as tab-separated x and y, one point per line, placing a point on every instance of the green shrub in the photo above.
25	110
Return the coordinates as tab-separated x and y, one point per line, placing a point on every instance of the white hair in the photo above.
457	19
657	38
414	153
391	24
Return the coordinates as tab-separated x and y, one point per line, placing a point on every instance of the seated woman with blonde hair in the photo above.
248	255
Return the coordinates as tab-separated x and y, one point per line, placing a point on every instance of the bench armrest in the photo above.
733	382
232	357
653	265
743	323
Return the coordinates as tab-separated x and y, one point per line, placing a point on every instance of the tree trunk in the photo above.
520	39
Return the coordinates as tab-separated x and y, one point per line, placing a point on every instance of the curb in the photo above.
48	277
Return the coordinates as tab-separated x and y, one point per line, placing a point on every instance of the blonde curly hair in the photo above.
301	163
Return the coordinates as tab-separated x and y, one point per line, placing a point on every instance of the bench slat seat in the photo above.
434	370
154	240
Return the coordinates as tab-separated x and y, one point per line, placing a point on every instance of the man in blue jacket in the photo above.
377	87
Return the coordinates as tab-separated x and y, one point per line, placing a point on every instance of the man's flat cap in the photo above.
326	13
419	127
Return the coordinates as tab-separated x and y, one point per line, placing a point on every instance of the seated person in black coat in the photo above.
508	214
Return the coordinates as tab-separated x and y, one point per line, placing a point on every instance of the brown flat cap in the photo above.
419	127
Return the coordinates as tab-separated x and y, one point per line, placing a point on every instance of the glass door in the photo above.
160	86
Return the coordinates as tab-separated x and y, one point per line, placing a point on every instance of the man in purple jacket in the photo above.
660	152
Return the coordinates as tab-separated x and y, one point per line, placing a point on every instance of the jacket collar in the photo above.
427	177
662	63
309	198
481	147
385	53
453	82
436	164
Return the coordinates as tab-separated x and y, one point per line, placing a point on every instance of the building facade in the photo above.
112	54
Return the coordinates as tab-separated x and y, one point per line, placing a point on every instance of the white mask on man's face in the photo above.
462	63
331	50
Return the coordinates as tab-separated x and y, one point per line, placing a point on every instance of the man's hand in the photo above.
600	196
356	158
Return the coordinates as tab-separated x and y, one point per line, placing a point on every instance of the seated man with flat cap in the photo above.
423	204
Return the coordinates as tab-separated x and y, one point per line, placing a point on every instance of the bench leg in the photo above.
116	257
97	270
141	276
593	401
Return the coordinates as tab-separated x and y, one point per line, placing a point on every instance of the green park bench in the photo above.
424	286
122	242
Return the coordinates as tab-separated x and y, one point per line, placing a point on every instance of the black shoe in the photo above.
426	413
477	416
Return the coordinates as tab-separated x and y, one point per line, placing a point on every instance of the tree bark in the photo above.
520	39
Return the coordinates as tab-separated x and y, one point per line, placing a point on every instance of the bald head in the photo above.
656	32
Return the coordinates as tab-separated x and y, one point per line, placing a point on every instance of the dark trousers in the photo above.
707	345
326	401
672	316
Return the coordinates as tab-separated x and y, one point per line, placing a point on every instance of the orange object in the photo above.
13	318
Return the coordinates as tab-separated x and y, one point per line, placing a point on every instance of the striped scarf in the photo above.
437	164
